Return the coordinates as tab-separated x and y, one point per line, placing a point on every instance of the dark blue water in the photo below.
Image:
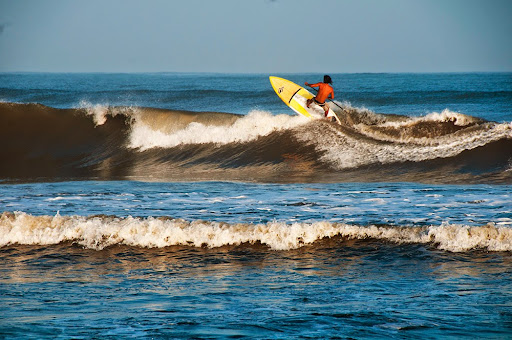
486	95
121	221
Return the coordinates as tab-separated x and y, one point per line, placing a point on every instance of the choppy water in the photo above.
126	216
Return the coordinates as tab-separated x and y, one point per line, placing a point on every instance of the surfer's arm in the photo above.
312	85
331	93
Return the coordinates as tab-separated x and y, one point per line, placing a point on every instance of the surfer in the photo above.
324	91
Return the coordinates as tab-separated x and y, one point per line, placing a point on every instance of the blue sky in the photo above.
256	36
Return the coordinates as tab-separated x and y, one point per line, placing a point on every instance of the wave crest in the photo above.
98	232
97	141
245	129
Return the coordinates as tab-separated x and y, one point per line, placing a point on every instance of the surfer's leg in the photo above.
308	102
326	109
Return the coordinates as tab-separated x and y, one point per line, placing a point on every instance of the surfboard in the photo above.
295	96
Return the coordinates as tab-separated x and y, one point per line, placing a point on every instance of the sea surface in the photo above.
177	206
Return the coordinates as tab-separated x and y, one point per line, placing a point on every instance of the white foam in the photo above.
99	112
346	151
100	232
375	200
373	128
59	198
250	127
446	115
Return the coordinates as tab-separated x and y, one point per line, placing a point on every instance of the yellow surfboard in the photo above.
295	97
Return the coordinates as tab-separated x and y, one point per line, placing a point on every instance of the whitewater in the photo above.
98	233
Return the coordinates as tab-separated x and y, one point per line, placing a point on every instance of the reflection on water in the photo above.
362	288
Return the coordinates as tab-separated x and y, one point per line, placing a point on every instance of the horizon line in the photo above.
249	73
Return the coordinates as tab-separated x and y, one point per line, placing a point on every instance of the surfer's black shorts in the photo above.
318	103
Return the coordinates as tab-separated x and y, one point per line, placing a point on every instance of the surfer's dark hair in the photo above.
327	79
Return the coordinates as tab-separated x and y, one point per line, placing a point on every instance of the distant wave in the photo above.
104	142
99	232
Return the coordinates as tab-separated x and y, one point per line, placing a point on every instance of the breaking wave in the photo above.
99	232
104	142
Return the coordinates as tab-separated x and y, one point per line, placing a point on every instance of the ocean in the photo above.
178	206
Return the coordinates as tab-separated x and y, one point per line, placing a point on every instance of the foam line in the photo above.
98	232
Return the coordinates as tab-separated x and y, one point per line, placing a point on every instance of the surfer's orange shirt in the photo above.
324	90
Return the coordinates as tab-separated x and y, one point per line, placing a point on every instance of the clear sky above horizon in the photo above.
256	36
